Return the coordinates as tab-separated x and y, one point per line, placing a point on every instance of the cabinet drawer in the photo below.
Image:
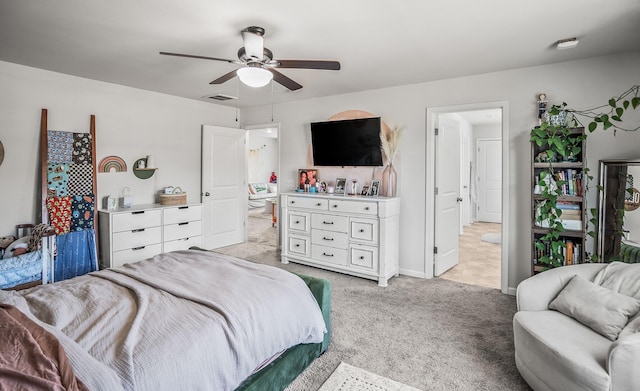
182	230
329	254
363	257
330	222
181	214
136	220
364	230
329	238
299	245
360	207
308	203
299	221
135	254
182	244
136	238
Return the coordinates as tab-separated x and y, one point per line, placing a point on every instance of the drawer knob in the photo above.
183	223
138	230
318	204
325	238
335	205
138	212
362	230
297	221
327	222
361	256
292	202
327	255
366	208
183	207
297	245
138	248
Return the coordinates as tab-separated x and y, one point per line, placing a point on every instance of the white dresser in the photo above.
133	234
355	235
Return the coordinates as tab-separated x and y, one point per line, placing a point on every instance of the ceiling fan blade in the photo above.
284	80
309	64
200	57
225	77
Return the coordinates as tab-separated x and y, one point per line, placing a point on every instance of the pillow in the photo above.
252	190
272	188
603	310
261	188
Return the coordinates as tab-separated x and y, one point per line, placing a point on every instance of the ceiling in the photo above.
379	43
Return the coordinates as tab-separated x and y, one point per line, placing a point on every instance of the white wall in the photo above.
130	123
262	157
583	84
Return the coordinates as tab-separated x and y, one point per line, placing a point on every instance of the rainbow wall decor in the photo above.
112	164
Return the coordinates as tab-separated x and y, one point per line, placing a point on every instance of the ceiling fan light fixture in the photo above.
254	76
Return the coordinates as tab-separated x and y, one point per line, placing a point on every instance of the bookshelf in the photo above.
567	180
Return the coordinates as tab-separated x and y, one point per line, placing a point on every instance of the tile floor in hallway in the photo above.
479	262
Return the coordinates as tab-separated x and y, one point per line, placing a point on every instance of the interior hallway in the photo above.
479	262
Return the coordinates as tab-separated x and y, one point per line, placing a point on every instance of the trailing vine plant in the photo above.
563	144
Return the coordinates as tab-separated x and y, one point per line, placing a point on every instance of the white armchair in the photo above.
556	352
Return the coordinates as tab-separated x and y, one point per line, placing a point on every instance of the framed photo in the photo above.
322	187
341	185
307	176
365	190
375	187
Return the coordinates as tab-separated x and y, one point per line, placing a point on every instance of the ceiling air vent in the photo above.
220	97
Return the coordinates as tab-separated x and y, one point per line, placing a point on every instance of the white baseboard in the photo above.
412	273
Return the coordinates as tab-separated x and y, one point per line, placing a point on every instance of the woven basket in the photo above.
173	199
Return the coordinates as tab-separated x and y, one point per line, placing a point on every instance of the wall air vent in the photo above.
220	97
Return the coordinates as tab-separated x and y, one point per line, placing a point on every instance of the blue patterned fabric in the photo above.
59	146
82	212
76	254
57	179
81	148
21	269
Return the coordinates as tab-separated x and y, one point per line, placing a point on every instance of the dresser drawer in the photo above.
136	238
182	230
136	220
299	221
182	244
299	245
135	254
330	222
326	254
308	203
365	257
329	238
365	230
181	214
360	207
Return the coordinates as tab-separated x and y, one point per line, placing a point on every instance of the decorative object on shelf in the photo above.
1	153
353	187
127	198
112	164
341	185
542	107
173	196
365	190
390	143
322	187
375	188
142	169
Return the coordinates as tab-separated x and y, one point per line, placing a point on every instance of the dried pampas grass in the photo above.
391	142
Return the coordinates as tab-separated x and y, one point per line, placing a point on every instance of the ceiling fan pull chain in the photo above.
271	100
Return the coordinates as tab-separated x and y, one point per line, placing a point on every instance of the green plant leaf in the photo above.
619	111
625	104
607	125
592	126
612	102
635	102
616	118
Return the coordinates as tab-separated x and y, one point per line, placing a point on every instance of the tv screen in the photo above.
353	142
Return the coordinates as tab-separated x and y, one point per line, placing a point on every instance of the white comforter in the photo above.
182	320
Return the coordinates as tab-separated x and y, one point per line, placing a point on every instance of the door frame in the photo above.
431	117
276	125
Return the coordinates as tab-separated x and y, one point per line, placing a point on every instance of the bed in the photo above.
31	268
184	320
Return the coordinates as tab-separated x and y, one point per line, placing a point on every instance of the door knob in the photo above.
207	194
459	199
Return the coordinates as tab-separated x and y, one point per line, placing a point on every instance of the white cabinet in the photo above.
349	234
133	234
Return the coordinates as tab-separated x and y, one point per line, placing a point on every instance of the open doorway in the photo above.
469	172
262	178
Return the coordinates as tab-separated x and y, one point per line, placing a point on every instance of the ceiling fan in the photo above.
258	65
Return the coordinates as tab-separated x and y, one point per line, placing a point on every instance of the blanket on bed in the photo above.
182	320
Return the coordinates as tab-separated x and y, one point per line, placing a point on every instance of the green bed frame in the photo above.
278	374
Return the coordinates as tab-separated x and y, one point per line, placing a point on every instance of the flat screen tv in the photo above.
353	142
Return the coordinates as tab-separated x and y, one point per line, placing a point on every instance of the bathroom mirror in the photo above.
619	211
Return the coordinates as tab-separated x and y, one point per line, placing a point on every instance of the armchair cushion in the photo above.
599	308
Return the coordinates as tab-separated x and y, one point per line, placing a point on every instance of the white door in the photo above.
489	180
224	188
447	213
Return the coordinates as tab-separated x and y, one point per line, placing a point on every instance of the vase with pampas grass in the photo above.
390	143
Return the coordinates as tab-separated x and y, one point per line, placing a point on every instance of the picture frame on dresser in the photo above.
341	185
375	188
365	190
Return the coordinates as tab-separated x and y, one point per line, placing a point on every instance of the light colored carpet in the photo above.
492	238
350	378
430	334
